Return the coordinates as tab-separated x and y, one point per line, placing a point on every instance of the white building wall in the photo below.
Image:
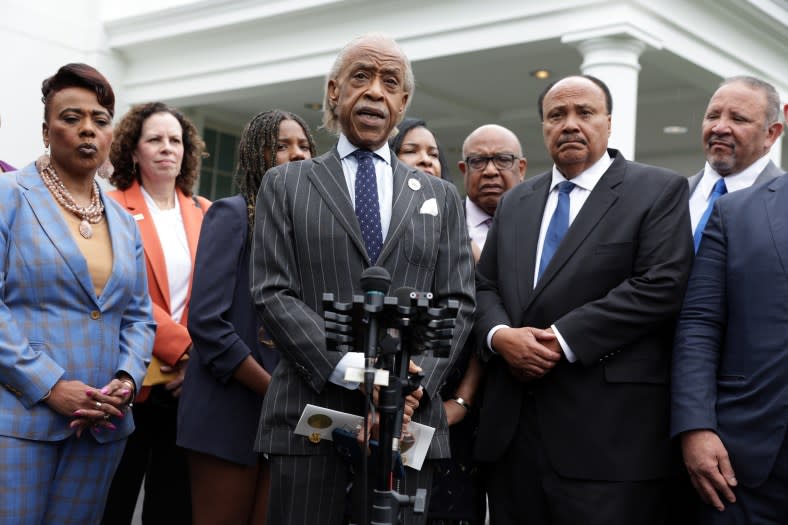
36	38
195	52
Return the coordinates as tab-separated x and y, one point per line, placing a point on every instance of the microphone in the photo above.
375	281
404	294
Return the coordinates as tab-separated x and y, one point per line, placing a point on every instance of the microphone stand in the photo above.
387	502
420	328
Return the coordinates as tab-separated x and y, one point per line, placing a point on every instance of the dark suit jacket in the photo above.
613	289
216	414
770	172
730	371
307	241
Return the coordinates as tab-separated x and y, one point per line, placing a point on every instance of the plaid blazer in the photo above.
52	325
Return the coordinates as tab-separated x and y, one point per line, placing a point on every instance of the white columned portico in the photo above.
613	56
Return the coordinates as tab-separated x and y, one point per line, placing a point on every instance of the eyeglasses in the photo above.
501	161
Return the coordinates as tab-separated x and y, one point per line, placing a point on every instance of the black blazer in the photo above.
613	289
216	414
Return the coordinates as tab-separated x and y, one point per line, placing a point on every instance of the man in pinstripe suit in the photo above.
308	241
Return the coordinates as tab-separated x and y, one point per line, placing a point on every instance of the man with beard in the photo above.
741	123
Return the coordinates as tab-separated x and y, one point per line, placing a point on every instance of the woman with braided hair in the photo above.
224	386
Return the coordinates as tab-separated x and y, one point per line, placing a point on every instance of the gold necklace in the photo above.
91	214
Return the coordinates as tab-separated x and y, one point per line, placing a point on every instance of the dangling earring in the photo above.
134	169
46	149
105	170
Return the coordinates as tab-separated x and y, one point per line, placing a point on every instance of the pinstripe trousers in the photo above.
307	490
55	482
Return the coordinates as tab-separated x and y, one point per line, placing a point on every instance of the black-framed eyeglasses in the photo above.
502	161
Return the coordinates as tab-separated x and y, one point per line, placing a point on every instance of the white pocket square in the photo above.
430	207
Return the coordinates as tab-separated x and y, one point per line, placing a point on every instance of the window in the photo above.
216	175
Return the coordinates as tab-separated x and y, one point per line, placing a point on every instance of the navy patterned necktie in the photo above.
559	223
367	205
718	191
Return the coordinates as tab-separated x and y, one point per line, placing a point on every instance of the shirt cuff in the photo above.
349	360
490	335
570	356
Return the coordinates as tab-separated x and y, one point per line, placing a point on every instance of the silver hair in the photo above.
772	98
330	118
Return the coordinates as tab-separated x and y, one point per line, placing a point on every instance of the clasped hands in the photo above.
175	386
89	406
529	352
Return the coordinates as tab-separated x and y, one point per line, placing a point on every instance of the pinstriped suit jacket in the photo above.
307	241
52	325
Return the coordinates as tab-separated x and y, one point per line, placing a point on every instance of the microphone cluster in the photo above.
375	317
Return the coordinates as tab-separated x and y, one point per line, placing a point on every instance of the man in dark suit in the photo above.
578	288
319	224
730	370
740	125
492	163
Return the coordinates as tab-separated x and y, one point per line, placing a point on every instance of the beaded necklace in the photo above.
92	214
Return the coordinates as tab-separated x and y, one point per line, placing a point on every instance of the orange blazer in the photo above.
172	339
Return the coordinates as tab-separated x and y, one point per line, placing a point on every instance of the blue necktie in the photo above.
719	190
367	205
559	223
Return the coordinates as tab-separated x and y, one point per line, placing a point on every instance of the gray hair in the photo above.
772	98
330	119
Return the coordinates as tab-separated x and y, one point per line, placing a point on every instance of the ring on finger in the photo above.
106	417
98	405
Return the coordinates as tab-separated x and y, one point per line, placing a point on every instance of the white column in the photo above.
615	61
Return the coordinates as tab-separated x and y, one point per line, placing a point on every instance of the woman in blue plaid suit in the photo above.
76	327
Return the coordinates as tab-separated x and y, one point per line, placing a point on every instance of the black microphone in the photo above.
375	281
404	294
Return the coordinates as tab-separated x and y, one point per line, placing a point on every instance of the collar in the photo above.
345	148
154	209
475	215
588	179
733	182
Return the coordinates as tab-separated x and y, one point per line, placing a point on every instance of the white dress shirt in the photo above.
385	181
477	221
585	182
175	246
383	176
699	200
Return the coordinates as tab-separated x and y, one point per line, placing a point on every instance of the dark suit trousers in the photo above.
151	452
524	489
307	490
764	505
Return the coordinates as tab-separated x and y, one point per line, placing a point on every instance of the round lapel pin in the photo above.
414	184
